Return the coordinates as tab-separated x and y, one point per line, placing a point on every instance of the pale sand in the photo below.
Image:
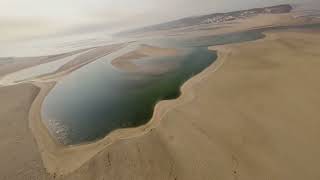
20	158
253	114
127	63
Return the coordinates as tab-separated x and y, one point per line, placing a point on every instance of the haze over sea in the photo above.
33	29
54	45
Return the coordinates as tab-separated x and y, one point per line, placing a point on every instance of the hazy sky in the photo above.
26	18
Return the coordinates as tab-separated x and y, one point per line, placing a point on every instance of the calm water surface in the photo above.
97	98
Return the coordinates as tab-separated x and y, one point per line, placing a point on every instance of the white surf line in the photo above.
26	74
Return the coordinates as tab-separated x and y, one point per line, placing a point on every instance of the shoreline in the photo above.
81	59
127	62
60	159
252	113
12	65
230	127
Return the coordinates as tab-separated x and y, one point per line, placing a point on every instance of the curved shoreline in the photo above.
251	114
61	160
126	61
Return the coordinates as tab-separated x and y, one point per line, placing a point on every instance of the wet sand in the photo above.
13	69
91	56
13	64
127	63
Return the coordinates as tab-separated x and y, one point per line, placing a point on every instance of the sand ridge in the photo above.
71	62
127	62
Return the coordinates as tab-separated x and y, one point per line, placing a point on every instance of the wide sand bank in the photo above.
253	114
128	61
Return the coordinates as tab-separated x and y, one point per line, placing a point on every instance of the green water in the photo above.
96	99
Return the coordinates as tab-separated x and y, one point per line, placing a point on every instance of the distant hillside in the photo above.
212	18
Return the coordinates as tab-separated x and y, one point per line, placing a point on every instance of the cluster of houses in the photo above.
220	18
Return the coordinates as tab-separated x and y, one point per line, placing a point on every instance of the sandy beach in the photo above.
20	156
253	114
257	108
